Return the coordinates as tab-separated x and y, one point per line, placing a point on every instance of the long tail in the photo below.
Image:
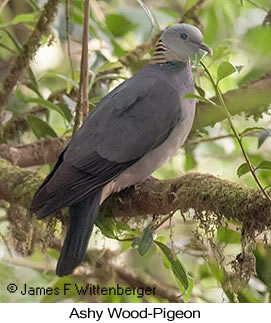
82	216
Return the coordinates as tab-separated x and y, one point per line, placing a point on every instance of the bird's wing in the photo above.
128	123
132	121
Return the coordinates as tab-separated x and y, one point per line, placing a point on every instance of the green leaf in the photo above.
27	17
34	85
144	242
120	227
242	169
23	18
225	69
256	41
118	50
116	23
199	98
40	128
107	226
175	263
187	295
66	111
126	245
252	129
200	91
14	40
263	135
46	104
239	68
110	66
60	76
226	235
190	161
7	48
265	164
33	4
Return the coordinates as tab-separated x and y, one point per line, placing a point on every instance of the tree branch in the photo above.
29	50
82	107
40	152
201	192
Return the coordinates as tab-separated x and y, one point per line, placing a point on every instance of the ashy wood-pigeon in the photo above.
133	131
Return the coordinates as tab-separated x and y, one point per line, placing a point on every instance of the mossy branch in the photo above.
28	51
18	185
201	192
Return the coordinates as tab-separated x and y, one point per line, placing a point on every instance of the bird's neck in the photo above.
163	55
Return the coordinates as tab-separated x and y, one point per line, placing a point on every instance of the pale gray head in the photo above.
184	39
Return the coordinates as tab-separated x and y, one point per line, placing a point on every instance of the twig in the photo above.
200	140
3	5
191	13
28	264
235	132
257	5
84	67
165	292
164	220
83	102
267	19
67	11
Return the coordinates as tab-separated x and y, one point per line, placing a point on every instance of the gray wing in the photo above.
133	120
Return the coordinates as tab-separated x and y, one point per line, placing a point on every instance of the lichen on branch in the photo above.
201	192
28	51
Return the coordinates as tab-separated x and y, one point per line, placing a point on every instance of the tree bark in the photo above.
206	194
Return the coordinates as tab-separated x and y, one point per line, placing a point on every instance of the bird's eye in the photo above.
184	36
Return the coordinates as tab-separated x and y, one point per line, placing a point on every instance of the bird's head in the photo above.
184	39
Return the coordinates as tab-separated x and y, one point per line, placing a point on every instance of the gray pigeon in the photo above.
133	131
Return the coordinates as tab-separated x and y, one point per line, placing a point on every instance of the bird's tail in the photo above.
82	217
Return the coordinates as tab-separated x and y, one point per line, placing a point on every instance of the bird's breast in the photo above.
154	159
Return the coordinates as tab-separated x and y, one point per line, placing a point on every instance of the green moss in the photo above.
17	184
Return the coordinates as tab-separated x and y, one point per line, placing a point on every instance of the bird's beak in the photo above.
206	49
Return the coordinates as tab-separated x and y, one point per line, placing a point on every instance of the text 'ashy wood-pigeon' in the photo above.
133	131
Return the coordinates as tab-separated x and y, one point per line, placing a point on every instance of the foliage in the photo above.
182	256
